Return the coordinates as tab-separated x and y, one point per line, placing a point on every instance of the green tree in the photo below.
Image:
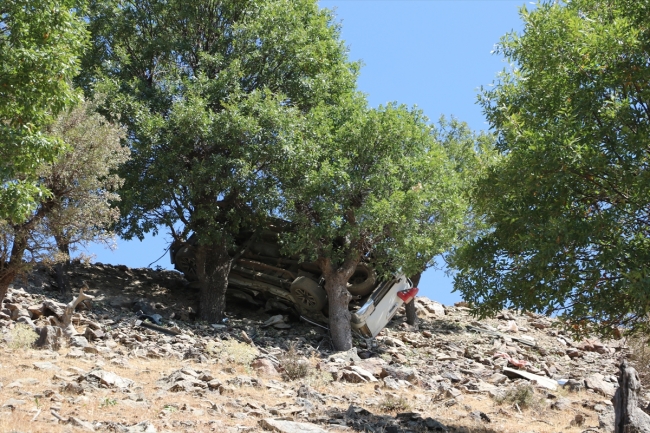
78	208
375	185
214	94
40	42
82	183
568	205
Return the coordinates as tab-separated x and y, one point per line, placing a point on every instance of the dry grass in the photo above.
294	365
640	357
22	336
212	411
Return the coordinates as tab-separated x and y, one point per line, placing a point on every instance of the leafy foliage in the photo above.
40	42
82	182
376	185
568	204
209	108
82	191
381	184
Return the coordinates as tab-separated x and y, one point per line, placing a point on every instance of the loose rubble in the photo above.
262	370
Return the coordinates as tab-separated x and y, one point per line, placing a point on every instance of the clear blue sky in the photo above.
434	54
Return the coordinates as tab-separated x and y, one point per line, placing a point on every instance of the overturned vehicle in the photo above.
263	276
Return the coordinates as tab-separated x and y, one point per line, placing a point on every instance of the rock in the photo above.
35	311
597	383
79	341
85	425
368	376
19	312
289	426
542	381
540	324
109	379
451	376
352	377
607	420
561	404
50	338
434	425
215	384
13	403
574	385
27	321
55	308
141	427
574	353
44	366
93	334
479	416
373	365
349	356
629	418
498	379
75	353
391	383
403	373
264	367
433	307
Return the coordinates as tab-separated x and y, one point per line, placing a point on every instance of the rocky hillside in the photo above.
264	371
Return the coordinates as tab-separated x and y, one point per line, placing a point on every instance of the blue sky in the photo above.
435	54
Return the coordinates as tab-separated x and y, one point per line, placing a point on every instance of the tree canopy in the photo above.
40	42
213	94
379	186
568	206
80	204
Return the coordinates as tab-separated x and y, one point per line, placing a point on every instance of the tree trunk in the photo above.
15	263
336	280
7	277
213	266
411	314
62	267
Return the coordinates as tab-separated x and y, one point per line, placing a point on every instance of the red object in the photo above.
408	294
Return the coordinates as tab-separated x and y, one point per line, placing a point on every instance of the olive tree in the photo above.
213	94
82	192
82	183
568	205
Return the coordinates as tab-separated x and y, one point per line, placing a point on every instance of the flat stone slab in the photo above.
289	426
541	380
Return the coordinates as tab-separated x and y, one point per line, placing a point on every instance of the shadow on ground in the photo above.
362	420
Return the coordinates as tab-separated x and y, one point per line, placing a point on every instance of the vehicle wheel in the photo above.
185	261
362	281
308	294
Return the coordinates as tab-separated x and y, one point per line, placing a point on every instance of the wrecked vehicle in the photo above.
263	276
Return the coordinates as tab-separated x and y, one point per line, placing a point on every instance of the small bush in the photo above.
22	337
640	357
233	351
293	364
393	403
523	396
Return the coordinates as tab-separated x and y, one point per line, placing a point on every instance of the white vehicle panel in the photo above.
384	310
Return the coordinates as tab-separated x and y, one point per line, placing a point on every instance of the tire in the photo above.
185	261
308	294
362	281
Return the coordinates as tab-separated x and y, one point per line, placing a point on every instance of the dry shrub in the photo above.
22	336
232	351
393	403
522	396
294	366
640	357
